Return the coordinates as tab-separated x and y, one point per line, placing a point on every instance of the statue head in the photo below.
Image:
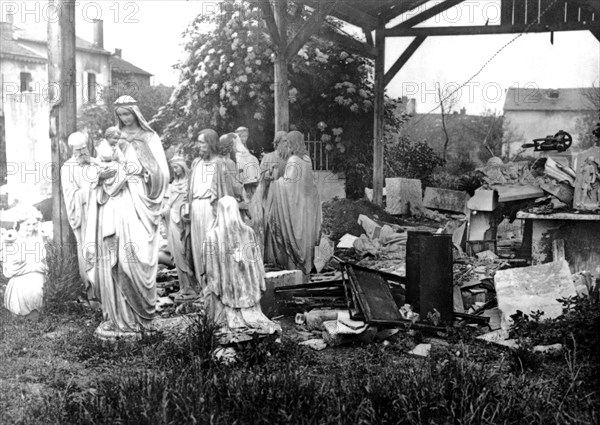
296	145
208	142
78	142
28	219
128	114
279	136
226	144
244	133
112	134
179	166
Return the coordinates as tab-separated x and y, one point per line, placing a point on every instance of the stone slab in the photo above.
403	195
530	289
517	192
268	303
445	199
483	200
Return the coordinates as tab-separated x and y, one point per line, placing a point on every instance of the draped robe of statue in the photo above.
235	274
175	231
248	169
24	264
210	180
125	237
294	215
270	167
77	184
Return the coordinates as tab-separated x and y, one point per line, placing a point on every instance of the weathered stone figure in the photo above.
295	214
235	275
123	246
78	176
590	183
247	166
270	165
176	200
24	264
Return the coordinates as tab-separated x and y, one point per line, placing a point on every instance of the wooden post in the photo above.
378	113
63	110
282	111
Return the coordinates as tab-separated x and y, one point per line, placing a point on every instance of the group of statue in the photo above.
225	216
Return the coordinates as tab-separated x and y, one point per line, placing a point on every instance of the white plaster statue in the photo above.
294	212
235	275
24	264
122	240
176	200
78	177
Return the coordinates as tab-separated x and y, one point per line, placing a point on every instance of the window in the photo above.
26	82
91	87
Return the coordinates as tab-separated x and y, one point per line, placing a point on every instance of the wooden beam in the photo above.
404	57
308	28
269	19
596	34
62	82
402	8
378	113
368	36
282	107
489	29
352	44
429	13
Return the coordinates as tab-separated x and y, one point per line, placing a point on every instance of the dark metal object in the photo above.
371	294
481	319
560	142
429	274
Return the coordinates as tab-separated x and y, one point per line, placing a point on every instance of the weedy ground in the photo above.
54	371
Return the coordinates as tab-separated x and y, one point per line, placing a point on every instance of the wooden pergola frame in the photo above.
530	16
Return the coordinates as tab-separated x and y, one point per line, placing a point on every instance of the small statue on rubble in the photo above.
590	184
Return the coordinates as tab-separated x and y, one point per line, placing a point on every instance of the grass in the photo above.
55	372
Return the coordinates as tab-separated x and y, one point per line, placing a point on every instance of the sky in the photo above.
149	32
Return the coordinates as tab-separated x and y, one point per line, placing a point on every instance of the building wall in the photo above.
537	124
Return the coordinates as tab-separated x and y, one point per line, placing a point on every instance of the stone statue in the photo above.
294	211
213	176
78	177
176	203
247	166
122	240
270	165
590	185
235	275
24	264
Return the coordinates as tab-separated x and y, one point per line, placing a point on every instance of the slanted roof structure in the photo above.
373	16
535	99
121	66
13	34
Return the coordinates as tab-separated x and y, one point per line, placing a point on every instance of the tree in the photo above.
591	120
227	81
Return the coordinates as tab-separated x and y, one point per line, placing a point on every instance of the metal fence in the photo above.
318	154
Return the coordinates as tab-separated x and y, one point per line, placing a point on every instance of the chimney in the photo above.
99	33
10	18
463	111
117	53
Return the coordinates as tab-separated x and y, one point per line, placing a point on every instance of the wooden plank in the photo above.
401	194
559	216
373	295
309	28
269	19
282	111
489	29
378	112
429	13
506	12
63	112
401	61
